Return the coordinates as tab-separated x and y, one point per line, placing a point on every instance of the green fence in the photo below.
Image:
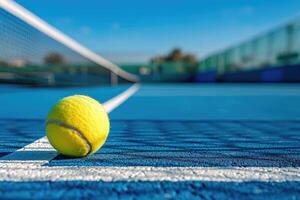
277	47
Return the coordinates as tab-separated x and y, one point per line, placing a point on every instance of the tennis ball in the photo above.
77	126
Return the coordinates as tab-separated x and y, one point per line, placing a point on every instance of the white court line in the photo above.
118	100
27	172
40	151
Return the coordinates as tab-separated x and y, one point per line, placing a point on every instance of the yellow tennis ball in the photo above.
77	126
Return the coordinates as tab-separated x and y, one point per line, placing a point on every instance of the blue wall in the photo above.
287	73
206	77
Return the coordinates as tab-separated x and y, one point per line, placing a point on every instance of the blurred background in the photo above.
157	41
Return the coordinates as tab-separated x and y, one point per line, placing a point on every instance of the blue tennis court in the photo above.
203	100
162	139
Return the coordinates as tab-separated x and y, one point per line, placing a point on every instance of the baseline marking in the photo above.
35	172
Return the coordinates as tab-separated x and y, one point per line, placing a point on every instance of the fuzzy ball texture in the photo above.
77	126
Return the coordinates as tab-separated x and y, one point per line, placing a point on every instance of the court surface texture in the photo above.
166	141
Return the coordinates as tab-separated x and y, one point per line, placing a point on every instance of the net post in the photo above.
113	79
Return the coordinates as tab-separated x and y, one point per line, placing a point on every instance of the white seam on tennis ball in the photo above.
78	132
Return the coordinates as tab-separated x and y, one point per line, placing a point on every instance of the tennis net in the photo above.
35	53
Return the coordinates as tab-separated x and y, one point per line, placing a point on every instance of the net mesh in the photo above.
29	56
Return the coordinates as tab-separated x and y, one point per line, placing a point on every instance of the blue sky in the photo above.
135	30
